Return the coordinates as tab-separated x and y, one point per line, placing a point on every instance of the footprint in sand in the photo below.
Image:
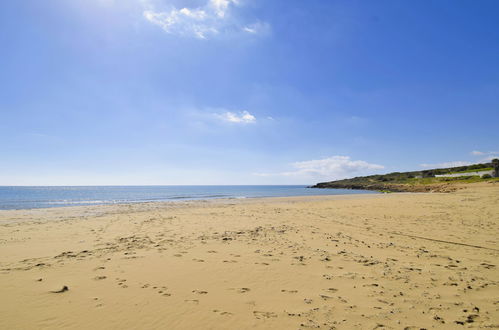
199	292
289	291
121	282
163	293
264	315
373	285
241	290
222	312
488	266
198	260
293	314
98	278
192	301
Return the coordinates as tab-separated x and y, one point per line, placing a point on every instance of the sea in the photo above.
16	197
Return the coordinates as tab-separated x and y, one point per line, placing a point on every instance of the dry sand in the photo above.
401	261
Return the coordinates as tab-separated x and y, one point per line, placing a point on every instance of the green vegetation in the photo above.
477	170
412	181
456	179
401	179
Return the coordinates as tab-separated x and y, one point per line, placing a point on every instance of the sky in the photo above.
158	92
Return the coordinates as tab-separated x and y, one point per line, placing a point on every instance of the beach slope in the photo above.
401	261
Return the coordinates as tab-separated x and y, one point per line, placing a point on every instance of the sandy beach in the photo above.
395	261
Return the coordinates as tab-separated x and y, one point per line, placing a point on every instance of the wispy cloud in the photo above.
446	164
488	155
213	18
485	156
331	168
242	117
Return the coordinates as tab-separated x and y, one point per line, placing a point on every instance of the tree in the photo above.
495	164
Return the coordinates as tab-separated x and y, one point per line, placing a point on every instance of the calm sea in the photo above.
41	197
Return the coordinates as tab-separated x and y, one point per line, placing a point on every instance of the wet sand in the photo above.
395	261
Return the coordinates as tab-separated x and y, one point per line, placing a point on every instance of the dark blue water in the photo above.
41	197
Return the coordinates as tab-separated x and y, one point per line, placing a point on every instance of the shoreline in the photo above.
189	200
101	195
332	261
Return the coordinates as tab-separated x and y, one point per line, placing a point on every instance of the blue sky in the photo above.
243	92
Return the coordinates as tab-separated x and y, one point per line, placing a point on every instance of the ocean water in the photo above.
42	197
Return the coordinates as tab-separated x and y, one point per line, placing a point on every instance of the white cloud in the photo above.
484	153
221	6
256	28
332	168
211	19
243	117
486	156
447	164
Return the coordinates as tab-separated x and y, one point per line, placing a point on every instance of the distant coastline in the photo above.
434	180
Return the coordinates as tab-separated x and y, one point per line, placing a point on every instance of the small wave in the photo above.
197	196
82	202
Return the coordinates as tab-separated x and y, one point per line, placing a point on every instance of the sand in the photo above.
395	261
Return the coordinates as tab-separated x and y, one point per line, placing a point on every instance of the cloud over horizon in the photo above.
447	164
213	18
488	155
331	168
485	156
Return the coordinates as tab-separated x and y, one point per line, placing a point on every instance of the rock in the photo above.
64	289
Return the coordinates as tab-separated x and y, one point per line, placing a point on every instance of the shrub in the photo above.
486	176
